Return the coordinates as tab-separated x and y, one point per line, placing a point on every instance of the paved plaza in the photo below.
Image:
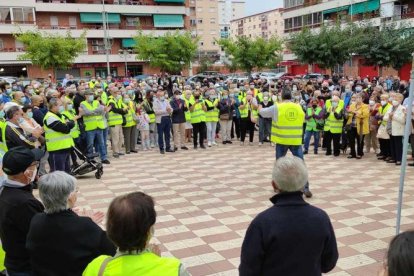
205	199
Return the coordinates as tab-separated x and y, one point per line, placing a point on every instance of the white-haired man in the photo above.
291	237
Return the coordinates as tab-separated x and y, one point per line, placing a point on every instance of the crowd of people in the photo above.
43	122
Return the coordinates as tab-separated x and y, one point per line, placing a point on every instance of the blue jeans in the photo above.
211	131
96	135
164	130
308	135
297	151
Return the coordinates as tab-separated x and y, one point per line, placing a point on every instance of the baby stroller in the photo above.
88	164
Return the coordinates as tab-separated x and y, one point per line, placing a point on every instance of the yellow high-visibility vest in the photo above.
288	129
56	140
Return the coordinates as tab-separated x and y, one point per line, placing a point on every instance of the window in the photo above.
1	44
212	21
254	26
72	22
288	24
297	22
214	43
200	21
18	15
211	9
317	17
5	15
201	43
19	45
54	22
193	22
132	21
23	15
307	19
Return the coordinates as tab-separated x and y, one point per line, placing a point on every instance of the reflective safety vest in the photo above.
259	97
129	117
147	264
75	132
93	122
2	257
104	98
244	112
114	119
311	123
288	129
56	140
331	123
68	100
187	113
3	144
383	110
213	114
197	115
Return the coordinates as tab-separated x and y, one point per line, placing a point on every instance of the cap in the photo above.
18	159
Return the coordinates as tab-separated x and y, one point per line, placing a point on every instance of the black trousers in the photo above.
396	148
352	137
199	131
385	147
335	137
235	127
246	125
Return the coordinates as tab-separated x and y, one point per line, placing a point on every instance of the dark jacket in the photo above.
178	115
225	107
290	238
65	243
17	208
15	137
38	115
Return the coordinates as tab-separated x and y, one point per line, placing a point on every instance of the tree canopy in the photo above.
171	52
50	51
246	54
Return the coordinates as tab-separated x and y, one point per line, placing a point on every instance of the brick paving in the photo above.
205	199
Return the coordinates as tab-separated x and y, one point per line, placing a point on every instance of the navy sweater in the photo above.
292	238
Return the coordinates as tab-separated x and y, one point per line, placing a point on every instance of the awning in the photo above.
170	1
128	42
168	21
368	6
96	17
334	10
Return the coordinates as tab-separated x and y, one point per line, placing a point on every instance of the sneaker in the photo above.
195	147
305	152
260	144
184	148
215	144
120	153
229	142
162	151
175	148
209	144
224	142
145	149
116	155
203	147
106	161
152	146
134	151
169	150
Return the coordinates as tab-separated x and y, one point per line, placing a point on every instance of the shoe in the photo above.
308	194
175	148
411	165
381	157
169	150
134	151
162	151
398	163
224	142
120	153
209	144
250	143
184	148
116	155
241	143
203	147
106	161
152	146
379	154
305	152
128	152
215	144
195	147
391	161
229	142
387	159
336	154
358	157
315	152
328	153
146	149
350	157
260	144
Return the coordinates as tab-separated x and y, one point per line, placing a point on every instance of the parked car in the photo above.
268	75
315	76
8	79
142	77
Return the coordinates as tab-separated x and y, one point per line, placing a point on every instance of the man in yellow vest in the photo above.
334	119
287	128
212	116
94	122
116	120
59	141
197	109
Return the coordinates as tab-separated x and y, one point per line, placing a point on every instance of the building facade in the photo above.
299	14
265	24
123	18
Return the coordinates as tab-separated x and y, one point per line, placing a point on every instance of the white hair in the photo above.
290	174
55	189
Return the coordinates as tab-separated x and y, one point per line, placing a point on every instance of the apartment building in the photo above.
61	16
314	13
229	10
265	24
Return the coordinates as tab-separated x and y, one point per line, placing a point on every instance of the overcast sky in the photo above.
256	6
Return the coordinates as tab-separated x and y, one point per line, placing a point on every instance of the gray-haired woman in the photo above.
59	241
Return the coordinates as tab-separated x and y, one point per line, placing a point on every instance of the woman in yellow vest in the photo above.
70	114
59	141
358	125
383	136
248	110
130	226
212	117
197	109
129	128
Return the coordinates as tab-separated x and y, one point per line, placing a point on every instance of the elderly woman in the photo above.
226	108
59	241
357	125
382	135
130	225
371	138
396	117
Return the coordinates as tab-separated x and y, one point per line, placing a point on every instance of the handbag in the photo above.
382	133
225	116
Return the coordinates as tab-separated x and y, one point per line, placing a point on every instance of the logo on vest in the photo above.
291	114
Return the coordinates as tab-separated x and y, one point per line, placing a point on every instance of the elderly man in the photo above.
18	206
162	110
116	120
291	237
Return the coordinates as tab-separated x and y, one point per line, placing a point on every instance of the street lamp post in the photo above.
106	44
125	53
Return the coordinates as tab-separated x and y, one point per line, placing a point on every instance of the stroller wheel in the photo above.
99	173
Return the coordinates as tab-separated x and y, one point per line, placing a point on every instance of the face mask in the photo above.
69	107
297	97
118	97
29	114
391	99
383	103
251	86
225	97
212	97
91	98
274	98
294	88
265	99
358	89
232	95
61	109
71	95
395	103
8	91
236	94
126	101
21	120
23	101
131	92
2	114
162	98
371	102
314	105
334	104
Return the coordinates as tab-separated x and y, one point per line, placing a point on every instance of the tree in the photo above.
246	54
385	46
50	51
331	46
171	52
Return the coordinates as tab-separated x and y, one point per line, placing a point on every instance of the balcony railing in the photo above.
28	22
96	27
11	49
109	2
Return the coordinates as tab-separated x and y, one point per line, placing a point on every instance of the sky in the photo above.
256	6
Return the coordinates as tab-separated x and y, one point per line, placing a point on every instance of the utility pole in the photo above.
125	53
106	44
